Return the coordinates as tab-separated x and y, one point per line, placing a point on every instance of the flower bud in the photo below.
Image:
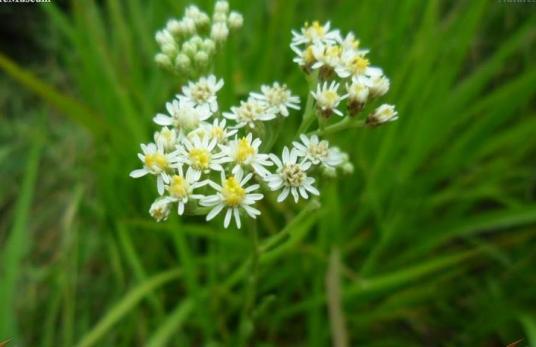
188	25
163	60
183	62
160	209
358	93
235	20
219	32
219	17
383	114
379	86
221	6
208	46
174	27
164	37
189	48
201	59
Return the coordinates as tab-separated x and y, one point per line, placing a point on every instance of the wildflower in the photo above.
218	131
180	187
328	58
358	93
155	162
249	112
202	93
355	63
167	138
291	177
183	115
304	58
235	20
279	98
198	154
383	114
327	98
244	153
219	32
318	152
234	196
160	209
379	85
164	37
221	6
315	33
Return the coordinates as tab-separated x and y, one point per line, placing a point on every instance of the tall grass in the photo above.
430	242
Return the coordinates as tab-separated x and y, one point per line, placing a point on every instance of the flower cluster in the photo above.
211	162
337	60
187	45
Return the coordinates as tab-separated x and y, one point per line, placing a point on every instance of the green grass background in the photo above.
430	243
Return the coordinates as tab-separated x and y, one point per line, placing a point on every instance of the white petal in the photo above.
227	218
138	173
214	212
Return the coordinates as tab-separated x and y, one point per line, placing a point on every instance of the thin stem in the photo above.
346	123
308	115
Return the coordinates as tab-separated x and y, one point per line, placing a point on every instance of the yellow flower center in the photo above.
333	51
360	64
314	30
319	150
243	150
293	175
178	187
331	96
200	158
156	161
308	55
201	92
233	194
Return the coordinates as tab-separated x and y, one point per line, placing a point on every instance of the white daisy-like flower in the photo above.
167	138
354	64
183	115
327	98
155	162
218	130
244	153
379	86
198	153
181	187
304	57
358	90
249	112
383	114
291	177
327	56
350	42
160	208
279	98
232	195
318	151
314	33
202	93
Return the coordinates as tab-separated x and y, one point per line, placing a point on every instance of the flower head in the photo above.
318	151
244	153
249	112
315	33
327	98
291	177
199	154
202	93
233	196
383	114
183	115
180	187
279	98
160	209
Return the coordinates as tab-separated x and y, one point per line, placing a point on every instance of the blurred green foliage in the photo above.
430	242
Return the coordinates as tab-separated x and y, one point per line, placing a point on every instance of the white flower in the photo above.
167	138
235	20
329	56
164	37
327	98
160	209
350	42
315	33
304	58
233	196
291	177
358	90
202	93
383	114
379	86
221	6
318	152
249	112
279	98
180	187
155	162
219	32
183	115
354	63
198	153
244	153
218	131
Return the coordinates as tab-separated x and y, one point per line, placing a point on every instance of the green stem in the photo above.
308	115
346	123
